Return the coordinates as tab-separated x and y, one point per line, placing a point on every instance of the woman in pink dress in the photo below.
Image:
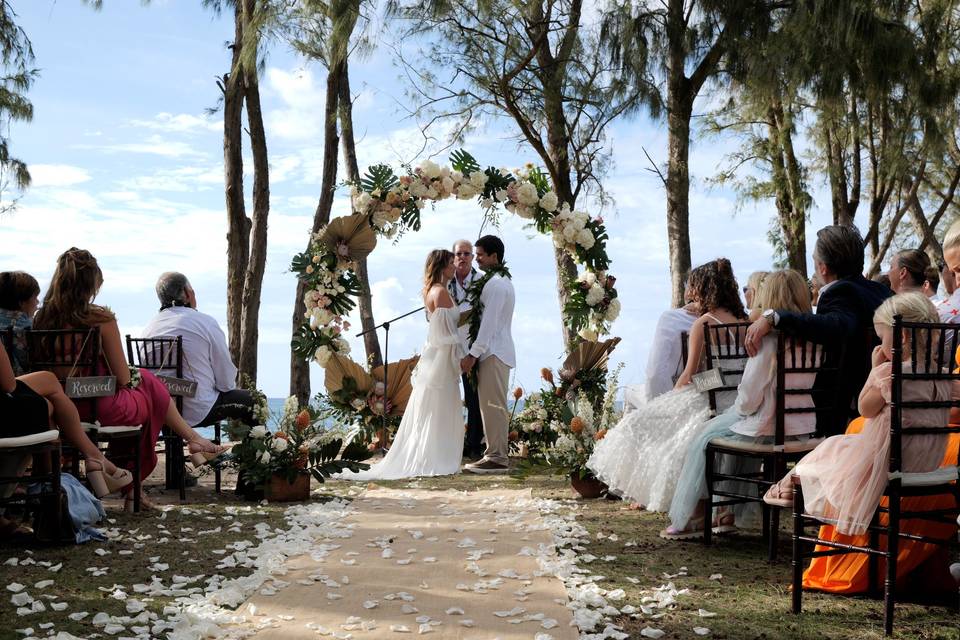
140	399
844	477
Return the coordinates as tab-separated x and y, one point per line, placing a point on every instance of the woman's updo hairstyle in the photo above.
916	263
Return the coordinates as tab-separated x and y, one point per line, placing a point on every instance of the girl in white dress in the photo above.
640	458
429	440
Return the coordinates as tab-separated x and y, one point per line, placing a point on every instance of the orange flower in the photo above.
514	436
576	425
282	435
547	374
517	393
302	420
600	434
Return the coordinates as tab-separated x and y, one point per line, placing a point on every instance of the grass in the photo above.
751	600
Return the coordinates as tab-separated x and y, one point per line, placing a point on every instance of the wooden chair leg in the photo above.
137	482
873	562
180	461
797	557
773	537
55	482
216	471
893	542
708	507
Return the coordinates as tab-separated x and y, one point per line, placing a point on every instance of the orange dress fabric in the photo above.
848	573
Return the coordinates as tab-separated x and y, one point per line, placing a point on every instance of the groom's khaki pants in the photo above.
493	376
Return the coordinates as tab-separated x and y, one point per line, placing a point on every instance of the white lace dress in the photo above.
429	441
641	458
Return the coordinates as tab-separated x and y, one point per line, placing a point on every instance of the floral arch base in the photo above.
386	204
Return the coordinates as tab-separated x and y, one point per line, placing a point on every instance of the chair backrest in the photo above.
67	352
724	347
798	356
931	347
161	355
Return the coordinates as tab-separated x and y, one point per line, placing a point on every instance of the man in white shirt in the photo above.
494	350
459	286
206	358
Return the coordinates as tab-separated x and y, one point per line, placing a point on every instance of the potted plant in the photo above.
279	464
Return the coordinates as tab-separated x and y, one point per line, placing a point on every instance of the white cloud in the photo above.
179	123
183	179
301	118
57	175
152	145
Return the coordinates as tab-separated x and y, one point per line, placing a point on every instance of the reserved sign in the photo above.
708	380
179	386
91	386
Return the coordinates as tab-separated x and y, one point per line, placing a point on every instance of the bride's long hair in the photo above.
437	261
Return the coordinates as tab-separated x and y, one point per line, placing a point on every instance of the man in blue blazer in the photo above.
844	318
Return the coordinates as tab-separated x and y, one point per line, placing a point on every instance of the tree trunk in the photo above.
678	189
371	341
300	369
238	224
794	231
253	284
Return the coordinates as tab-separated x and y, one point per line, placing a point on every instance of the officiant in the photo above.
458	287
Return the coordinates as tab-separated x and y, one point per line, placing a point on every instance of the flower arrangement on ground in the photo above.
300	445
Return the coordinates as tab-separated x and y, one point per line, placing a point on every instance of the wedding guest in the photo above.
34	403
882	278
908	270
665	361
931	284
141	400
638	457
844	477
750	291
206	357
949	309
751	418
458	287
844	316
19	298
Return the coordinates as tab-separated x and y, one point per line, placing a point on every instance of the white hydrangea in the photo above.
585	239
523	211
279	445
588	334
579	219
527	194
478	179
549	202
595	294
322	355
320	317
362	201
417	189
613	310
342	345
447	184
430	169
466	191
587	276
570	233
258	431
379	219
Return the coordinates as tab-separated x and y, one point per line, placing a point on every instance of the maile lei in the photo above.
473	296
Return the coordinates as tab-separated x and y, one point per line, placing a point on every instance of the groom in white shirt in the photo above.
492	352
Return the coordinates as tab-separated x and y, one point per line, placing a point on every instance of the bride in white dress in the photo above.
641	457
429	440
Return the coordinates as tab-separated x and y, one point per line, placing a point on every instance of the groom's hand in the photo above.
467	364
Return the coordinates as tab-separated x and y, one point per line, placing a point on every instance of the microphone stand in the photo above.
386	359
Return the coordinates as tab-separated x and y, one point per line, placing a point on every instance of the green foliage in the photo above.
379	179
463	162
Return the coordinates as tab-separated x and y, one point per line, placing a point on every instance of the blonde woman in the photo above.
750	293
429	441
751	418
844	477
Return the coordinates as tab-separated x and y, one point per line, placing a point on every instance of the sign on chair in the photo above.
179	386
91	386
708	380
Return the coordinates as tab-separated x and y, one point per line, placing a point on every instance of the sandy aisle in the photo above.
416	559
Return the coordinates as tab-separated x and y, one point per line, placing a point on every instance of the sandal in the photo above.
724	523
13	531
693	530
103	483
779	496
145	504
203	451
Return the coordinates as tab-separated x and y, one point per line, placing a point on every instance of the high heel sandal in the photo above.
200	457
103	483
145	505
694	529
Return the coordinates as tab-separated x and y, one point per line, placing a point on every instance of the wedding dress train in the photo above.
429	440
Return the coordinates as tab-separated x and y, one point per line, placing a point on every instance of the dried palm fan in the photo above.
398	385
340	367
350	237
588	355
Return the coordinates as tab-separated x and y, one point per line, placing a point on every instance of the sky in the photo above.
127	164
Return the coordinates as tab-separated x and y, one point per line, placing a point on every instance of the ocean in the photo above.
276	408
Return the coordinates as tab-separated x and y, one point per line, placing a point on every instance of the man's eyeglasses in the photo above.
463	254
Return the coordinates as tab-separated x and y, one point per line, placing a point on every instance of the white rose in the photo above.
417	189
478	179
585	238
527	194
322	355
379	219
613	310
430	169
570	233
265	457
466	191
259	431
549	202
362	201
447	184
579	219
523	211
587	276
595	295
280	445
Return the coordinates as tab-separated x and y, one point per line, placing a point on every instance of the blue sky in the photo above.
127	165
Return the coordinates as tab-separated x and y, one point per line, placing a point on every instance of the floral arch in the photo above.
387	204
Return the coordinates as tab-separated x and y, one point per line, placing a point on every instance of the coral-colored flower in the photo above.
547	374
302	420
599	435
517	393
576	424
514	436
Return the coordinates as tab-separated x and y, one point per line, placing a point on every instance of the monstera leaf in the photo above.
350	237
590	355
398	385
340	367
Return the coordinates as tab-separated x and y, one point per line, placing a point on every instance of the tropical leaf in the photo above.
353	232
398	384
341	367
379	178
463	162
